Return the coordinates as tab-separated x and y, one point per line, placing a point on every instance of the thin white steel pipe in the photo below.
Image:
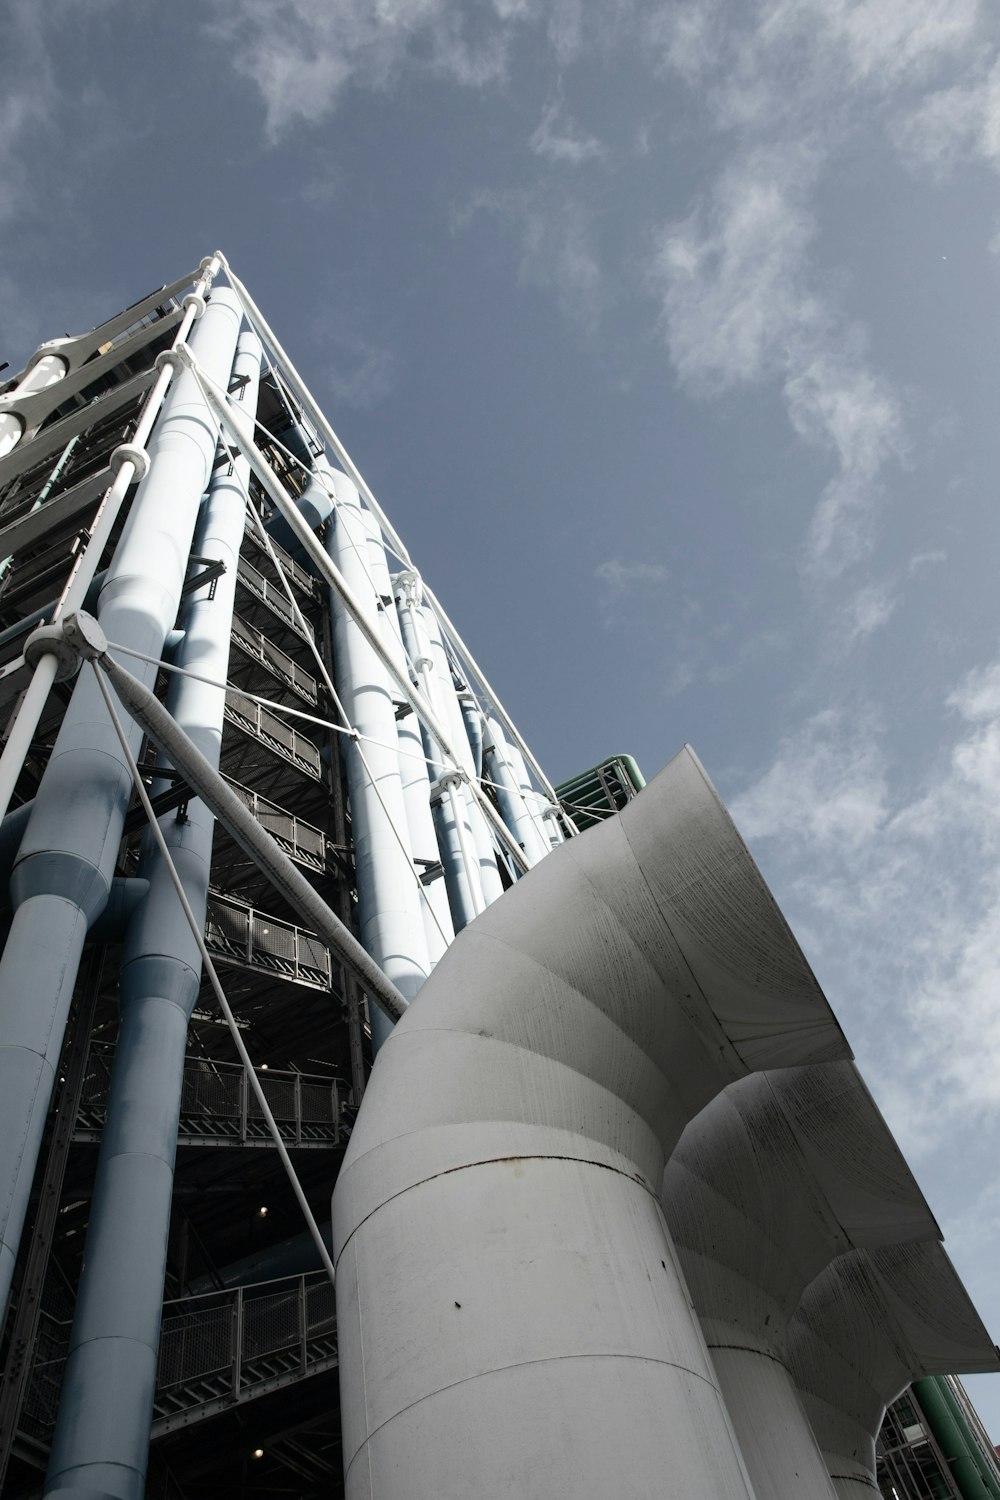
301	390
210	970
81	575
237	426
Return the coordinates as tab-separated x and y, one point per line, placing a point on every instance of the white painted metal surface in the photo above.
511	1314
772	1180
870	1324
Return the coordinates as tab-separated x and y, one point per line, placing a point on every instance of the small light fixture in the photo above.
262	1211
258	1453
263	1067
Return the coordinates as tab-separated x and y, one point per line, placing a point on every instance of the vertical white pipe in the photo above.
414	780
498	767
485	874
451	904
392	924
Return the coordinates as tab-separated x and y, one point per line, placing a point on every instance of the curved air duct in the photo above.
869	1325
772	1180
511	1315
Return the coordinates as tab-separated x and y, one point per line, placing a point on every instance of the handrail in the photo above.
217	1349
217	1103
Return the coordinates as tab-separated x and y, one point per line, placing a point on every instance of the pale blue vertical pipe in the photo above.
67	857
485	874
461	902
502	769
389	908
102	1432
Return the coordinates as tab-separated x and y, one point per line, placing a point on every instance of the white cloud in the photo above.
785	84
826	787
303	54
558	139
363	372
864	612
620	576
897	898
738	306
558	248
954	124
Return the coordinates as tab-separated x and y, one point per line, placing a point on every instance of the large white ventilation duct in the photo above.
772	1180
511	1315
871	1323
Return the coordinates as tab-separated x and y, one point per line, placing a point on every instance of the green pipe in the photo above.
955	1438
987	1468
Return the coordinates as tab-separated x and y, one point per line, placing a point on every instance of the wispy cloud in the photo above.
826	788
559	139
626	588
362	373
897	898
558	247
785	83
620	576
303	54
864	612
959	123
739	305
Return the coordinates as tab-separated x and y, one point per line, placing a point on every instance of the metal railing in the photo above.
216	1351
249	939
271	594
300	840
226	1347
219	1107
294	572
257	720
254	644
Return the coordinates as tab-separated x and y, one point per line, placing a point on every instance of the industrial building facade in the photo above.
171	1326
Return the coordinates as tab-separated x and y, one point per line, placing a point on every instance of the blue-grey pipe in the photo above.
67	858
102	1431
461	904
391	922
473	726
315	503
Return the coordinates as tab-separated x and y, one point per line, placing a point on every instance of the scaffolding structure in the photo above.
345	794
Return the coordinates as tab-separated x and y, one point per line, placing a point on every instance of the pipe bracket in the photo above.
130	453
50	640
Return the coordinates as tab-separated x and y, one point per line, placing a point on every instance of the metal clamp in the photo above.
130	453
70	641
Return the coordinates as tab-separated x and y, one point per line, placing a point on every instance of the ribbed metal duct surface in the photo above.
512	1319
869	1324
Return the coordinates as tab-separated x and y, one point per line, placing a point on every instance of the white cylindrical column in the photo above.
769	1183
871	1323
392	925
485	870
499	768
511	1315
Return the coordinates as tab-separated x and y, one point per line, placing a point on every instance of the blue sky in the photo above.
667	336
